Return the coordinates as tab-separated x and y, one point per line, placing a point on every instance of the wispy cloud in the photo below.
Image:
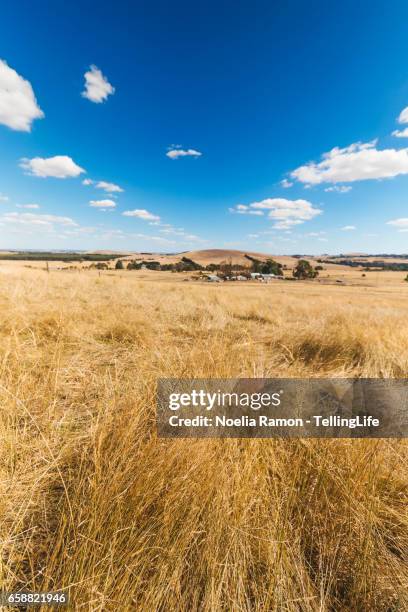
104	185
30	206
18	104
31	219
181	233
286	184
348	228
102	204
339	188
141	213
59	166
243	209
97	86
401	224
158	239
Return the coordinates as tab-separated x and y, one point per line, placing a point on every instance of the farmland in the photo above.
93	501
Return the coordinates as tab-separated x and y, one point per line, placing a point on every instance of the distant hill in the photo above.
203	257
207	256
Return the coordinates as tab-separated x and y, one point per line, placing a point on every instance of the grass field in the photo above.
91	500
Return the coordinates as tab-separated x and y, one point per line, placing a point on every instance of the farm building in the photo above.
213	278
269	277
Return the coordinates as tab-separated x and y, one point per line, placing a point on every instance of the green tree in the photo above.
119	265
256	264
271	267
304	270
188	265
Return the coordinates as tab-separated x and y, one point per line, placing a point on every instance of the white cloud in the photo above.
77	231
340	188
241	209
357	162
285	213
176	153
159	239
286	184
170	230
315	234
400	133
35	219
18	105
108	187
400	224
102	203
112	234
3	198
97	86
348	228
59	166
141	213
403	117
32	206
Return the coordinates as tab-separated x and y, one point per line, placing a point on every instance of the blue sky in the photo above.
215	120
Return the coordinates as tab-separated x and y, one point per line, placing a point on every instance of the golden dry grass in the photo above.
90	499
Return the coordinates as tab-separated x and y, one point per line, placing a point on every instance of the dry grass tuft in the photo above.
91	500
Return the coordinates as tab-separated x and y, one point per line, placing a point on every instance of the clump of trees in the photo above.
304	270
137	265
119	265
270	266
184	265
224	268
187	265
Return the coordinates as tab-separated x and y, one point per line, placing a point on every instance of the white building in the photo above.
213	278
